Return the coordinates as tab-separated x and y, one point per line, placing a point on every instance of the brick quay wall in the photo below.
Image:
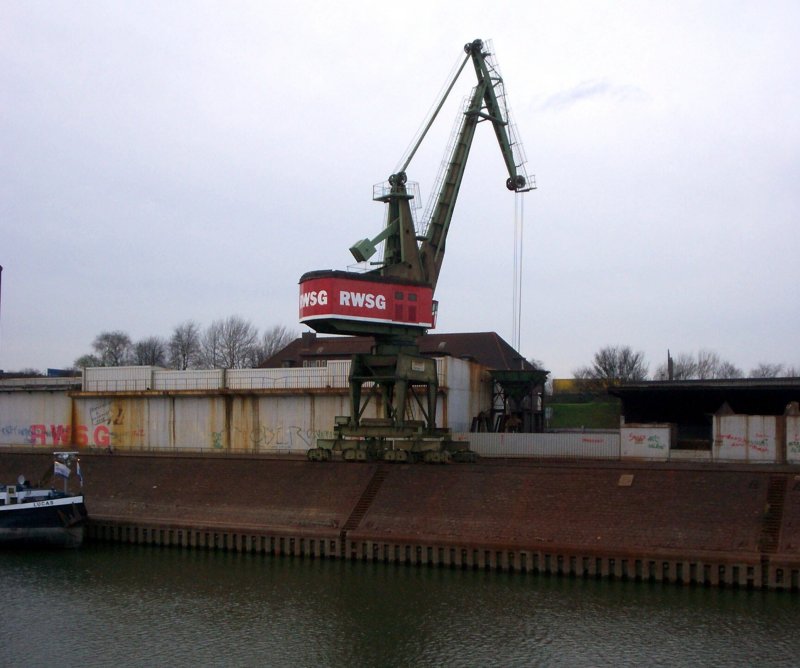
704	524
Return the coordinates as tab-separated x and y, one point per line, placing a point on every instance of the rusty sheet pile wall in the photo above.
668	523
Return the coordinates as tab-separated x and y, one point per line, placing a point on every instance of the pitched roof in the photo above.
486	348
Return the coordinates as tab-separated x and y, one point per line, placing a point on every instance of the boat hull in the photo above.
52	523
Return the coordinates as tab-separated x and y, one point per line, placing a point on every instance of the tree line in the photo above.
230	343
619	363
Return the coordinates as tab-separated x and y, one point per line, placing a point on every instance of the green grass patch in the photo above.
598	414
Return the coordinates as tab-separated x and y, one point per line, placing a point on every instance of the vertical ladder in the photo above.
363	504
771	523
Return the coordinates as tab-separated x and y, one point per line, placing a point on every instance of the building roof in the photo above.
675	400
708	384
485	348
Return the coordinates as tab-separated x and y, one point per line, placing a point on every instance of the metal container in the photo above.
200	379
118	379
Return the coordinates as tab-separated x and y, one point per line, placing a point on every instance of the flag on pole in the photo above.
61	470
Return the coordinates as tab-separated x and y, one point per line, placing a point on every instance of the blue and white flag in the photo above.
61	470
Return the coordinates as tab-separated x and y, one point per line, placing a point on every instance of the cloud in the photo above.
590	90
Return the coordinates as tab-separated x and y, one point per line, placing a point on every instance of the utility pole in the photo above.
1	296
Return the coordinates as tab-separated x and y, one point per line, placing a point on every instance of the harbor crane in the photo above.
393	301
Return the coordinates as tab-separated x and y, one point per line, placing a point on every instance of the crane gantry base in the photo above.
377	440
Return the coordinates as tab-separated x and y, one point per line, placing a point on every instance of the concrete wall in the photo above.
21	412
652	442
247	410
224	423
285	410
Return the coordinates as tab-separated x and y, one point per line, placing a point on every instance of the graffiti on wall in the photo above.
66	434
652	441
104	422
280	437
107	413
100	433
760	442
12	432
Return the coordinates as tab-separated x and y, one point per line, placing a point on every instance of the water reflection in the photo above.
136	605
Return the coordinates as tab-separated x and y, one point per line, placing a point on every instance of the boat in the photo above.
39	516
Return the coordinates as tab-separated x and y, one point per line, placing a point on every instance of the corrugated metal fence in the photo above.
568	445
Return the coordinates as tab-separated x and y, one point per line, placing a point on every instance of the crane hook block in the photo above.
515	183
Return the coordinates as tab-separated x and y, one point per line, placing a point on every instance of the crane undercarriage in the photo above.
405	385
377	439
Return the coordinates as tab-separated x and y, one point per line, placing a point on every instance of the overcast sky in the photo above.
163	162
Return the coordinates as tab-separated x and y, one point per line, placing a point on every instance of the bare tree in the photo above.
536	364
113	348
151	351
711	366
767	370
22	373
729	370
87	360
184	346
272	341
707	365
614	364
684	367
210	343
229	343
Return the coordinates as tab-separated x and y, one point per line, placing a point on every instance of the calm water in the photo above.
141	606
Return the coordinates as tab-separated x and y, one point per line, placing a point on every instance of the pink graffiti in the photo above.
737	441
64	434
